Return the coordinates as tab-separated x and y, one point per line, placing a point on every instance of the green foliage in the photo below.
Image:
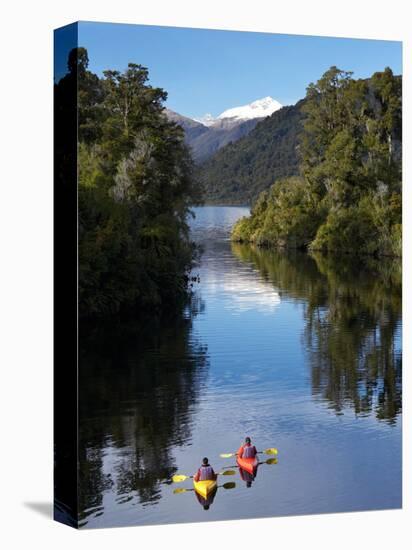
241	170
89	97
349	196
285	216
135	188
370	227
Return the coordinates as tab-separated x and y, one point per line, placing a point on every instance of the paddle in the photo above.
271	451
268	461
228	485
180	477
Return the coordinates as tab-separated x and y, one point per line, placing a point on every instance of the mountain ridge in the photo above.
238	172
260	108
206	137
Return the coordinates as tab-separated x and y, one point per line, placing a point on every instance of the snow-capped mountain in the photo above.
208	134
206	120
257	109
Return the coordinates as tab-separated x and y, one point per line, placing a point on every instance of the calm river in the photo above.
299	353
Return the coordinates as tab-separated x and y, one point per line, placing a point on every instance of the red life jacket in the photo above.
249	451
206	472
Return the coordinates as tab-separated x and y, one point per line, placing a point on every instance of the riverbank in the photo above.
286	217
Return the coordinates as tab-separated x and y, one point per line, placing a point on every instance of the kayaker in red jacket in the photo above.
247	450
205	471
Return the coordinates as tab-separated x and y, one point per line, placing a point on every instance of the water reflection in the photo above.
139	386
352	325
206	502
248	477
300	352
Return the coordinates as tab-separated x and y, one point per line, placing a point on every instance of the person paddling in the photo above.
205	471
247	450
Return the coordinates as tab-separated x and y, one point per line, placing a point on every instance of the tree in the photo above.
349	196
135	189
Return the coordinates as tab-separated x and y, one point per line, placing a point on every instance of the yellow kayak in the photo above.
205	488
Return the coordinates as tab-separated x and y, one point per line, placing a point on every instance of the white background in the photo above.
26	269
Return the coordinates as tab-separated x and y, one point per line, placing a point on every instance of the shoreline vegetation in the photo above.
137	184
348	196
135	189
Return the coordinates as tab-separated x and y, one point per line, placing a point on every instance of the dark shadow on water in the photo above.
139	384
45	509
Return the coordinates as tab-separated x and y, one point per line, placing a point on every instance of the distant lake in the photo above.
300	353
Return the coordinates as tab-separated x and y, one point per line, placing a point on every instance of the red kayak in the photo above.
248	464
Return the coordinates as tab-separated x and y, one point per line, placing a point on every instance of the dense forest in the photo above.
135	187
348	194
241	170
333	159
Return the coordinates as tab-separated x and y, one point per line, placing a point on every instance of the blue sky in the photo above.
208	71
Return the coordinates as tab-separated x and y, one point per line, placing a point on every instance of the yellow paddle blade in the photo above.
227	455
272	451
272	461
228	473
178	478
179	490
229	485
